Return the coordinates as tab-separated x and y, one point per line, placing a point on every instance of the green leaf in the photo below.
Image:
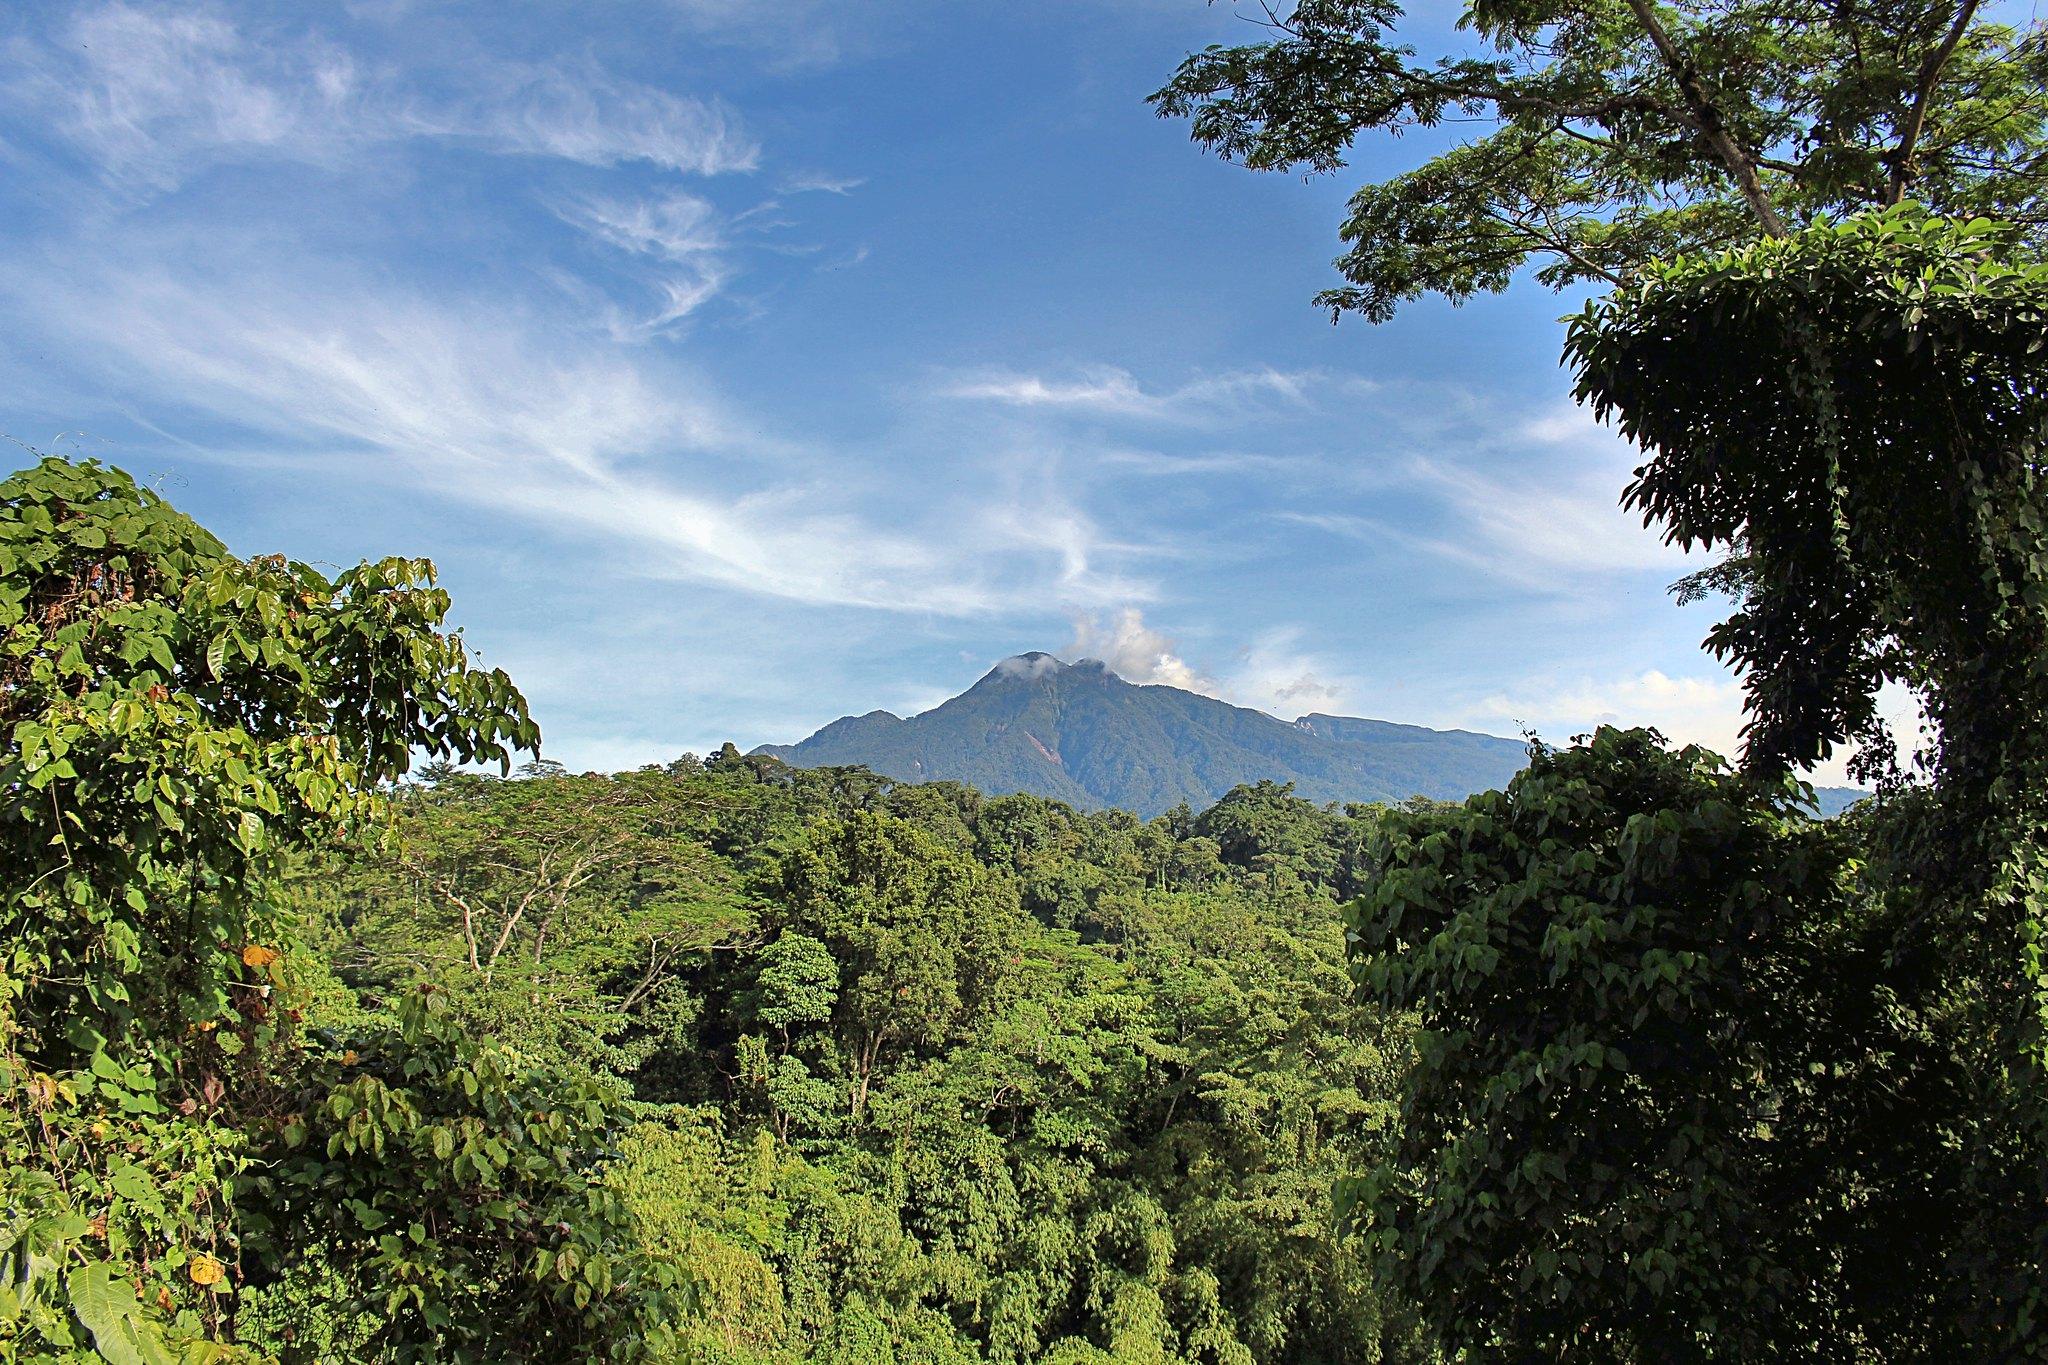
108	1309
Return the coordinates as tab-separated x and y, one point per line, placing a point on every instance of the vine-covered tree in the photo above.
1882	478
180	726
1845	396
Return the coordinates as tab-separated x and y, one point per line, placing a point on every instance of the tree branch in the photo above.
1923	90
1739	163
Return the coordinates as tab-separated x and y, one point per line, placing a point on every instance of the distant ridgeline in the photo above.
1081	734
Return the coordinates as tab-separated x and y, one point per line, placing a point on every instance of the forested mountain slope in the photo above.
1081	734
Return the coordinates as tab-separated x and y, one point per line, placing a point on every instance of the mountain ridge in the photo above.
1078	732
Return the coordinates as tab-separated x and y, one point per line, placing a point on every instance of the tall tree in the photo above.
1623	967
1622	131
1882	476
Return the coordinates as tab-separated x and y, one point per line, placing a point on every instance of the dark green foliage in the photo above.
1880	470
1620	969
1880	481
1852	410
1618	132
1080	734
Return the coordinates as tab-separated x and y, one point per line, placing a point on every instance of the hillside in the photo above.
1081	734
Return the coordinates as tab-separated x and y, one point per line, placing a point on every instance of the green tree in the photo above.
179	722
572	907
437	1200
1625	131
1881	485
182	728
1622	969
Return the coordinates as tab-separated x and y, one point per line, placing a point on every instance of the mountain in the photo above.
1832	801
1080	733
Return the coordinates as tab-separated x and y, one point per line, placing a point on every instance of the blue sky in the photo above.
745	364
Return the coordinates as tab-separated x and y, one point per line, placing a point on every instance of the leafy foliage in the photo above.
181	726
436	1199
1625	972
179	721
1627	131
1880	472
296	1064
1880	480
958	1079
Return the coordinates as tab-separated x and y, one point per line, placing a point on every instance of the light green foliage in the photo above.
182	726
434	1200
720	1062
564	905
1619	132
179	719
978	1080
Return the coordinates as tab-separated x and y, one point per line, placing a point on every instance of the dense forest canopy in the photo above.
722	1061
983	1078
319	1042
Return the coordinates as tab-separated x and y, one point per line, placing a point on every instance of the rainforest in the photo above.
342	1021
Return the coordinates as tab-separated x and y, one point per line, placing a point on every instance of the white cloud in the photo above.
479	393
1566	423
580	113
679	231
1116	392
1156	463
817	182
1134	651
502	410
1028	509
1559	529
1536	529
1274	673
673	227
151	92
795	34
1277	675
1687	710
1701	709
1036	665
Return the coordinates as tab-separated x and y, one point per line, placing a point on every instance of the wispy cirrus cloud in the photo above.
818	182
1167	464
505	410
150	93
678	236
470	392
1110	391
1545	532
